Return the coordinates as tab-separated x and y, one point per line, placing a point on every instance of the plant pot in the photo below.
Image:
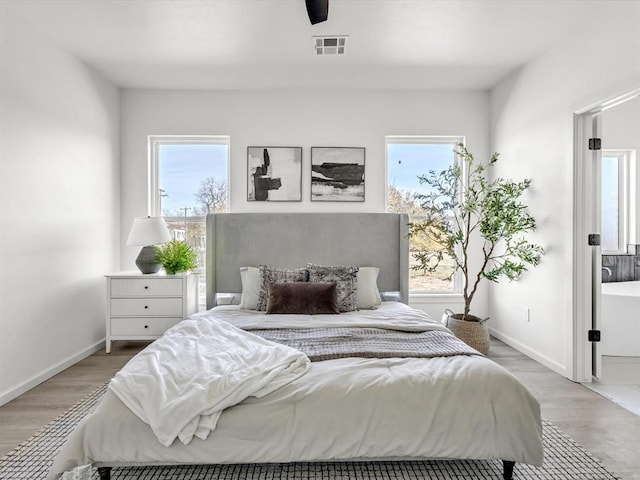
473	332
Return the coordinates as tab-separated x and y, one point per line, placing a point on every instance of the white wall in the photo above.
59	197
621	130
303	118
532	127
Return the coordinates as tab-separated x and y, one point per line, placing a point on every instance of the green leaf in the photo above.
464	201
176	256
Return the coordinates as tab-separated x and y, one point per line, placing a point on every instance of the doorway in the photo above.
588	124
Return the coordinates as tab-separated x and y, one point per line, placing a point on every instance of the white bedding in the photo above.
348	409
180	385
391	315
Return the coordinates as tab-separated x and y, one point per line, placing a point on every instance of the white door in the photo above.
587	272
596	252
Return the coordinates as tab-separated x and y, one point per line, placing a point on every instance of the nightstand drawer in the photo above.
150	307
141	327
143	307
146	287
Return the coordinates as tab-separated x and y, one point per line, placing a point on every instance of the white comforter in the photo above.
350	408
390	315
181	383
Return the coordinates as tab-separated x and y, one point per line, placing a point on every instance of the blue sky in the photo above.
407	161
183	167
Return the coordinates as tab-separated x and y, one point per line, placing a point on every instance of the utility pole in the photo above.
186	209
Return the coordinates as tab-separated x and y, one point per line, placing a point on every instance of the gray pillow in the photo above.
303	298
346	279
271	275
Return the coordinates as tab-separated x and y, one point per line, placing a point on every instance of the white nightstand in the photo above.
142	307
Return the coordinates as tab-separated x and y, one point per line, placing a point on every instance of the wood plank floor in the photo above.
608	431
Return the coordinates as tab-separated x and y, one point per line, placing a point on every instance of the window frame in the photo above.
154	142
420	295
626	195
153	148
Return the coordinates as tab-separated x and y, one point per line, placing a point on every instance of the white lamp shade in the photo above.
147	231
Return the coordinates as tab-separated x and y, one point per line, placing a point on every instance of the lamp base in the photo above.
146	260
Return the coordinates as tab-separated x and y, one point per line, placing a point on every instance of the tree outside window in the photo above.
407	159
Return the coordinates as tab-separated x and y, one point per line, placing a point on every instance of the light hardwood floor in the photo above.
609	432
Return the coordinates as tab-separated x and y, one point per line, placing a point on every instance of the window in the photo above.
407	159
188	179
618	196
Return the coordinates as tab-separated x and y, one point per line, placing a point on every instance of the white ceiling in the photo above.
205	44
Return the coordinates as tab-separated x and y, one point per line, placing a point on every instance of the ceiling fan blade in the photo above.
317	10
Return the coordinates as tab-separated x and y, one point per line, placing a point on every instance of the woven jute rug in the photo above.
564	460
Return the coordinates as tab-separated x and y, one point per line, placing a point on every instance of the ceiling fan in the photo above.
317	10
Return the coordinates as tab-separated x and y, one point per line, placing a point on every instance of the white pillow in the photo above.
251	283
367	293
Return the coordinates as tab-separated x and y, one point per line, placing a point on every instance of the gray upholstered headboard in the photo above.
292	240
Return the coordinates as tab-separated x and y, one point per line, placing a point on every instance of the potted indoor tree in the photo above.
474	220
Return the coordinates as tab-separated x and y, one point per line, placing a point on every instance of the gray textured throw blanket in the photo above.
329	343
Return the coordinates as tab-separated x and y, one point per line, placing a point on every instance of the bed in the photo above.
382	403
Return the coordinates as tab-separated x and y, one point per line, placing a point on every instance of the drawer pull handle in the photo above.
146	326
146	287
146	306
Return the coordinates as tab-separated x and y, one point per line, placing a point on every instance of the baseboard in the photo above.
36	380
531	353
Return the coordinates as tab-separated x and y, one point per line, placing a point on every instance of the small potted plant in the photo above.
469	215
176	256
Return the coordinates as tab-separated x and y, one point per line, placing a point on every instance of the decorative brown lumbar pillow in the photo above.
303	298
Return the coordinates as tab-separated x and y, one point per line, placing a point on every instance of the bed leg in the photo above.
104	473
507	469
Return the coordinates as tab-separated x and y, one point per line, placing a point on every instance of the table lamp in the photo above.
148	232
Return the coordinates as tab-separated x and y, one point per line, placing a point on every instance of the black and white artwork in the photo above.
275	174
337	174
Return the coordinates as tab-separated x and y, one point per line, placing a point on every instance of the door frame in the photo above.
586	221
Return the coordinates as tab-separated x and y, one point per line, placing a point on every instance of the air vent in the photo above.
332	45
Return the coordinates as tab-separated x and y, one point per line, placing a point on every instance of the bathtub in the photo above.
620	319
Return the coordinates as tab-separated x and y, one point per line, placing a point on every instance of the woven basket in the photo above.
473	333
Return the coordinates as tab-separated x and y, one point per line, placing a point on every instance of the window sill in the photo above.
428	298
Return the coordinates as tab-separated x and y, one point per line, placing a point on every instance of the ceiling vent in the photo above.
331	45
